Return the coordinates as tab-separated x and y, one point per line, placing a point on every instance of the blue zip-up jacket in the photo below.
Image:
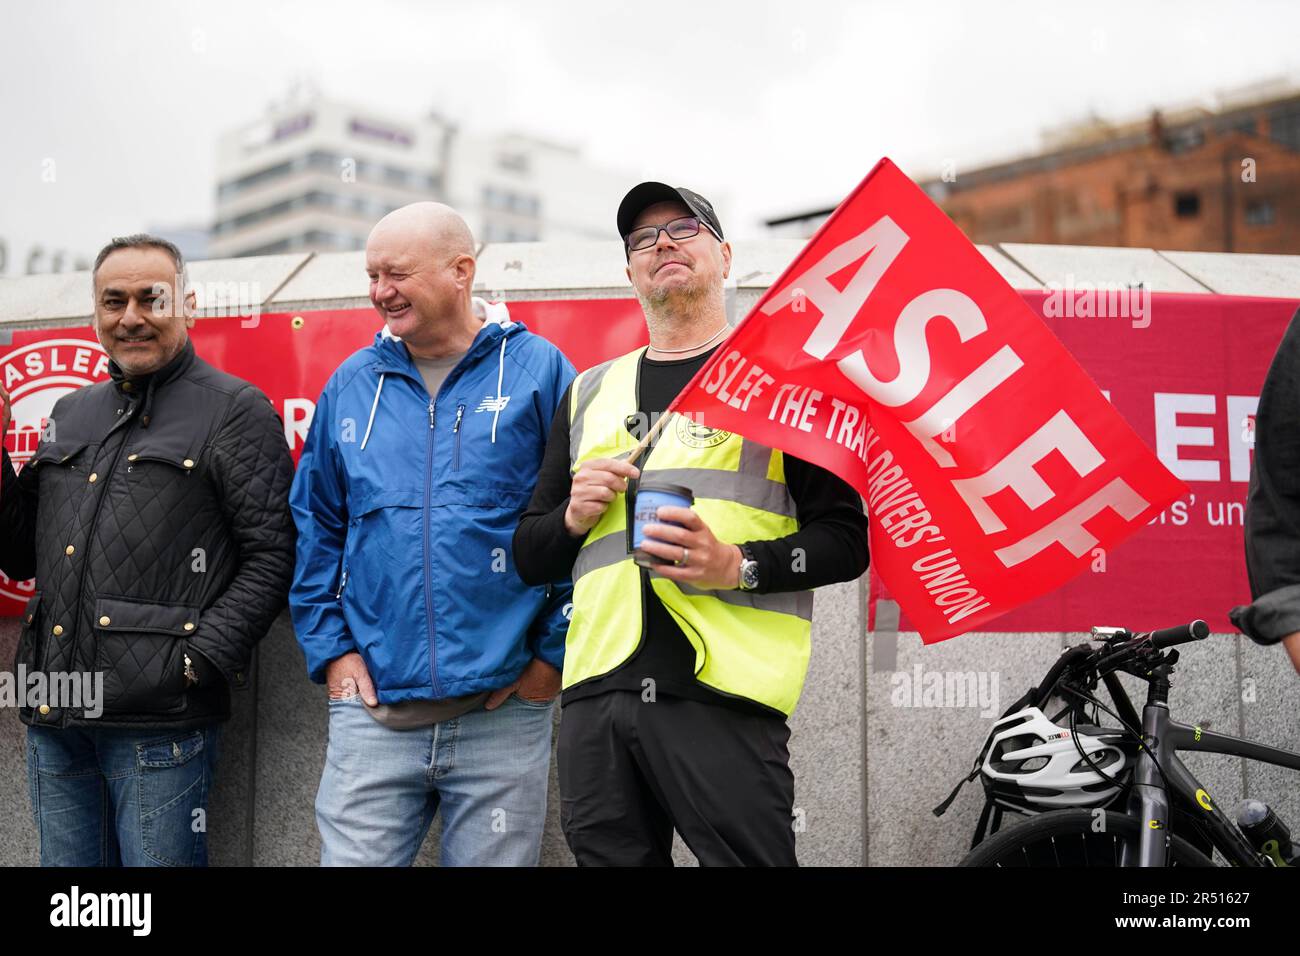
406	505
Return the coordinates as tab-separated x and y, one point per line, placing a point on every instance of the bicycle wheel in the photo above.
1070	838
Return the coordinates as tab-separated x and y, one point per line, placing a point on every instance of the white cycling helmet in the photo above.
1031	764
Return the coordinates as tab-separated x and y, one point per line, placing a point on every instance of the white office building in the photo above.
316	175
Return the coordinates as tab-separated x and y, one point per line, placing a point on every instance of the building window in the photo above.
332	240
1284	124
1004	219
234	187
1236	123
1185	139
514	162
282	245
362	206
400	177
508	201
1187	205
332	163
1259	212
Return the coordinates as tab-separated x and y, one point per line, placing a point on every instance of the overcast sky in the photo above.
779	106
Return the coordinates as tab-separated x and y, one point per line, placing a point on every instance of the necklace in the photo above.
691	348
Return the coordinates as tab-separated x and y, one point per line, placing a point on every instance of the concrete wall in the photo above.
867	770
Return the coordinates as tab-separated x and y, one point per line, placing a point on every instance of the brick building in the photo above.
1215	181
1223	180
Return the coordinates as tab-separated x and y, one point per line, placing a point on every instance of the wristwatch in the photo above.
748	570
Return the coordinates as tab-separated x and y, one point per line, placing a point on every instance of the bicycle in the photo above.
1168	816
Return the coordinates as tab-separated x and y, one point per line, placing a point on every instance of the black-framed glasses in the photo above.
677	229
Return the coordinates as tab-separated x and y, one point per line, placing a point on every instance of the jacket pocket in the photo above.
167	465
63	453
349	545
176	447
29	628
141	648
383	602
64	467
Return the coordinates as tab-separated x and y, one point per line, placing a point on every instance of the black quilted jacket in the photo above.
155	519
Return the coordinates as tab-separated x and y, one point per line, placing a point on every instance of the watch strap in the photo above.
747	559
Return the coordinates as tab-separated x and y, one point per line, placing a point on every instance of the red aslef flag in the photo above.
891	353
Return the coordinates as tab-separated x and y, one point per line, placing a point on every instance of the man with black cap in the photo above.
683	659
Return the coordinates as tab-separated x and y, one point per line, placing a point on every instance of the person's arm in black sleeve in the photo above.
544	550
1273	504
251	470
18	497
831	543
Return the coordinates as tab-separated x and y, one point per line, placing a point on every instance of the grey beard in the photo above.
674	307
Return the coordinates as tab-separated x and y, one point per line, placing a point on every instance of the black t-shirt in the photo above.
832	534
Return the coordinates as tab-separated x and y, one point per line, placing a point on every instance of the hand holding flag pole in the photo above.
646	442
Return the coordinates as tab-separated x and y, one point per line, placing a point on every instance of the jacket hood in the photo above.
494	315
393	358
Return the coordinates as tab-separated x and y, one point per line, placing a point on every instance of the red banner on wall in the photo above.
1210	352
1186	375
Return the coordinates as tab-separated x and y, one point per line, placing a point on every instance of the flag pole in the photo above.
650	436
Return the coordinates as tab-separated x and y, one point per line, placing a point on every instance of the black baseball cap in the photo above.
647	194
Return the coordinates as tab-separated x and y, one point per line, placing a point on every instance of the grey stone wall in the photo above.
868	767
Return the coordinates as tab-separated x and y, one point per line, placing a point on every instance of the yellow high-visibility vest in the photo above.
748	645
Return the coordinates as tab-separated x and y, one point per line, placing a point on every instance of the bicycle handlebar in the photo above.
1079	652
1198	630
1119	651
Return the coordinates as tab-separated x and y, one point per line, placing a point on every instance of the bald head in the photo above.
420	260
431	226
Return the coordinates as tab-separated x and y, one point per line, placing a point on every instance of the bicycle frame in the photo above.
1149	800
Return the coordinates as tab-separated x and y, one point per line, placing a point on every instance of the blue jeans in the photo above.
486	770
108	796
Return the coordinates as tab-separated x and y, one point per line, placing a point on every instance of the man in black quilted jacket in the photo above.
154	516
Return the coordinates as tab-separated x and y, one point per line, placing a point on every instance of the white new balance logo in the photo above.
490	404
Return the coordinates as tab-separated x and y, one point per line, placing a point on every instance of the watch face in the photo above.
749	575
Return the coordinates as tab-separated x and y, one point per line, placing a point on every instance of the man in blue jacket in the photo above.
442	665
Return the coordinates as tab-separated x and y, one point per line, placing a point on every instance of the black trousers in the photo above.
631	771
